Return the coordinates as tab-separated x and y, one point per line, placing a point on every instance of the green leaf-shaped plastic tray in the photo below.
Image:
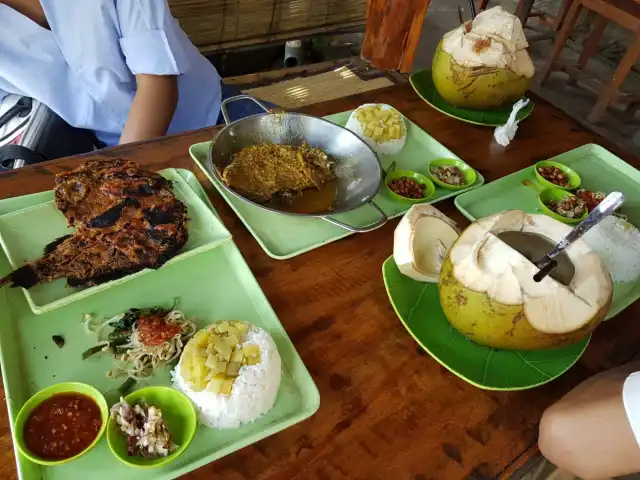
422	83
418	307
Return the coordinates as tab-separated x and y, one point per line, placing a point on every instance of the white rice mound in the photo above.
254	390
617	242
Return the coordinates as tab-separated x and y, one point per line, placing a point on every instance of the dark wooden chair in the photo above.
625	13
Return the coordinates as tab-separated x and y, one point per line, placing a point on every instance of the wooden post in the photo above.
392	33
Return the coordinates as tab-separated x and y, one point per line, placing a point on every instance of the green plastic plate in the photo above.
599	169
213	285
422	83
285	236
25	232
418	307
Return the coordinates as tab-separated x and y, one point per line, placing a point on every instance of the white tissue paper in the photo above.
505	133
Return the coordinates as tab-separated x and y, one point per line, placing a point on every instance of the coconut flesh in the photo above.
488	294
421	242
484	62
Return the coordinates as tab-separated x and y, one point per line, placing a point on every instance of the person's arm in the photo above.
588	433
151	46
152	108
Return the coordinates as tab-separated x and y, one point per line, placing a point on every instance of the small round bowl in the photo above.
549	194
574	178
179	414
429	190
469	173
44	394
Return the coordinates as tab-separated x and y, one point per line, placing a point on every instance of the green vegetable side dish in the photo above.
468	173
572	177
422	83
44	394
177	411
429	190
418	307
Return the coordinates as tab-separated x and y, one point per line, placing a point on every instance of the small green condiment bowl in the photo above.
429	190
550	194
468	173
572	176
46	393
178	412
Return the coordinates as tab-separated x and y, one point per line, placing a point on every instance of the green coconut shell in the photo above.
478	88
496	325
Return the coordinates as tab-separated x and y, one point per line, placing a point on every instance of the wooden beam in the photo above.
393	32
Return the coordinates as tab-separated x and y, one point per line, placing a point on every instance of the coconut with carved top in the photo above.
483	63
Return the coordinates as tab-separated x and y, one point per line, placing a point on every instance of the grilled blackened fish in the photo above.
126	219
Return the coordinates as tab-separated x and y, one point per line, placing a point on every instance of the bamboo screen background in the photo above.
214	25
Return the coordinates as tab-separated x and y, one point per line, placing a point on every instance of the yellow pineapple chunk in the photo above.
251	350
233	369
237	356
232	341
223	349
253	360
215	384
199	384
227	385
242	327
201	339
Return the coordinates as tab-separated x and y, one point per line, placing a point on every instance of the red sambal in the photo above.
62	426
153	330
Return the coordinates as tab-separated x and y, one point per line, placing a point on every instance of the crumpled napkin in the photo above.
505	133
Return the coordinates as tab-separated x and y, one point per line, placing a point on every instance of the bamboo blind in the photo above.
221	24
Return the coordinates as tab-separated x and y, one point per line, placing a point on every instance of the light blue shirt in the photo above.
84	67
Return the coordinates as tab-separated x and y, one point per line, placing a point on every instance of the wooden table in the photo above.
388	410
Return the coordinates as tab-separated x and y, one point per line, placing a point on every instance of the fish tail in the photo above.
25	277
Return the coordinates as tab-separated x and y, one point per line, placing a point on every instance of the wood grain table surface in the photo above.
388	410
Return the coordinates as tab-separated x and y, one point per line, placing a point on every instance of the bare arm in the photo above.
587	431
152	108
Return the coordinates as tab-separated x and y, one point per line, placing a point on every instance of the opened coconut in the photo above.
421	242
381	126
483	63
488	293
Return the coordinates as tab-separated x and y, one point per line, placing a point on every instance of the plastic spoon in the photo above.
611	203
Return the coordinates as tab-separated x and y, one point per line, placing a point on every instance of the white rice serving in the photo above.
254	390
617	242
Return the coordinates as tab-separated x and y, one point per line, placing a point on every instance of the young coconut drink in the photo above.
421	242
488	294
483	63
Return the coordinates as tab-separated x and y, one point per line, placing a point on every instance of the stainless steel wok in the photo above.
358	171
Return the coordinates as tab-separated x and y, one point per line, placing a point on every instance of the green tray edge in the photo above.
458	374
82	294
310	396
197	151
589	147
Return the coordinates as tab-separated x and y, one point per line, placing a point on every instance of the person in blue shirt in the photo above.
123	69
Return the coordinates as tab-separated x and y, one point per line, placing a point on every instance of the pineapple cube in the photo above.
226	386
199	371
199	384
237	356
223	349
201	339
253	360
251	350
394	132
232	340
242	327
233	369
215	384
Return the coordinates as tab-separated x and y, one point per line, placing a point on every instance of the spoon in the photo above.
603	210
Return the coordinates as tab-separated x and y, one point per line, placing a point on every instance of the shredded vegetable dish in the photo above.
141	340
